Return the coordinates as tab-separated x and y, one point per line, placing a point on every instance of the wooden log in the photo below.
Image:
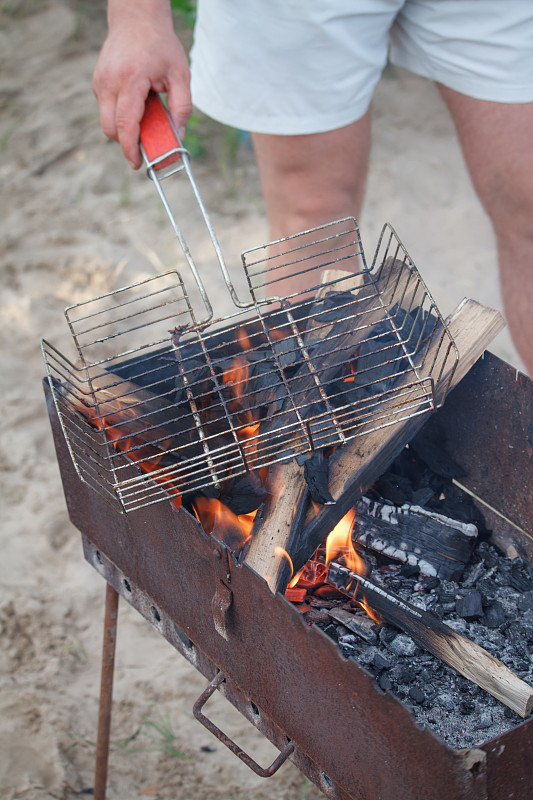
459	652
360	624
361	462
271	540
413	535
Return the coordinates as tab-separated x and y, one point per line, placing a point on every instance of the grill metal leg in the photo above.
106	691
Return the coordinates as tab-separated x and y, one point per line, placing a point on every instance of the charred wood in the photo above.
358	623
413	535
136	420
428	632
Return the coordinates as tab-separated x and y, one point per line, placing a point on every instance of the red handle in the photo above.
157	133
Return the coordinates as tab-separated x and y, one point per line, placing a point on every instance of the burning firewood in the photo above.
139	424
133	417
360	463
271	540
413	535
354	467
470	660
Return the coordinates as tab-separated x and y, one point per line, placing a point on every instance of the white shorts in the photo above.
307	66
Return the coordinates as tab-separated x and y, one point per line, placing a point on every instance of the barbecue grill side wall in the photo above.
487	424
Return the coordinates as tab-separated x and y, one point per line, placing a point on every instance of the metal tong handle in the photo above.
158	135
164	155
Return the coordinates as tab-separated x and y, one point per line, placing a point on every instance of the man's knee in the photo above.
310	180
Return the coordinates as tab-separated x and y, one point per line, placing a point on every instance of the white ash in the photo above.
457	710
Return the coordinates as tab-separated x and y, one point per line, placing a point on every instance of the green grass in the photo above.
156	727
185	10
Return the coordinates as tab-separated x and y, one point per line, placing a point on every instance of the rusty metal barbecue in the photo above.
147	334
358	741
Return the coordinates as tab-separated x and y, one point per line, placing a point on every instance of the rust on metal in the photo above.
263	772
106	691
351	739
494	442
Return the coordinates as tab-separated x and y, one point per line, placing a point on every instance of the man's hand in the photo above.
141	52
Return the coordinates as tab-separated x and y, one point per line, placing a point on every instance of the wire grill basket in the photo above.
161	402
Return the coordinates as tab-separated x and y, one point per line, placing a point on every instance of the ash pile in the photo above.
489	600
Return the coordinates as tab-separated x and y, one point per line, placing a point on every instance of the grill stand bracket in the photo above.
275	666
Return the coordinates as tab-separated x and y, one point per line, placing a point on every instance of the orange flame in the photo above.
243	339
121	428
216	518
339	544
236	375
350	370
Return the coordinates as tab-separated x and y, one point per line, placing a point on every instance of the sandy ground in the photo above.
76	222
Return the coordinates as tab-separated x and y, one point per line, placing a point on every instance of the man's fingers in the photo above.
179	103
128	114
107	116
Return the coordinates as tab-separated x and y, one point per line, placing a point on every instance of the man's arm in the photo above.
141	52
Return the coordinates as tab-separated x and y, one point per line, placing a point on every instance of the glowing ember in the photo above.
350	370
339	547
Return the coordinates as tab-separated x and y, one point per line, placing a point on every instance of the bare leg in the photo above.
313	179
497	142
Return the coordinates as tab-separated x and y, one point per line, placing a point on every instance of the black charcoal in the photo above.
525	602
387	634
421	497
244	494
510	714
380	662
395	489
488	588
316	473
520	580
470	607
409	570
427	583
200	382
527	617
384	682
417	694
494	615
403	645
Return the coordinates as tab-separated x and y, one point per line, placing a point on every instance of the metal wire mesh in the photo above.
159	405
